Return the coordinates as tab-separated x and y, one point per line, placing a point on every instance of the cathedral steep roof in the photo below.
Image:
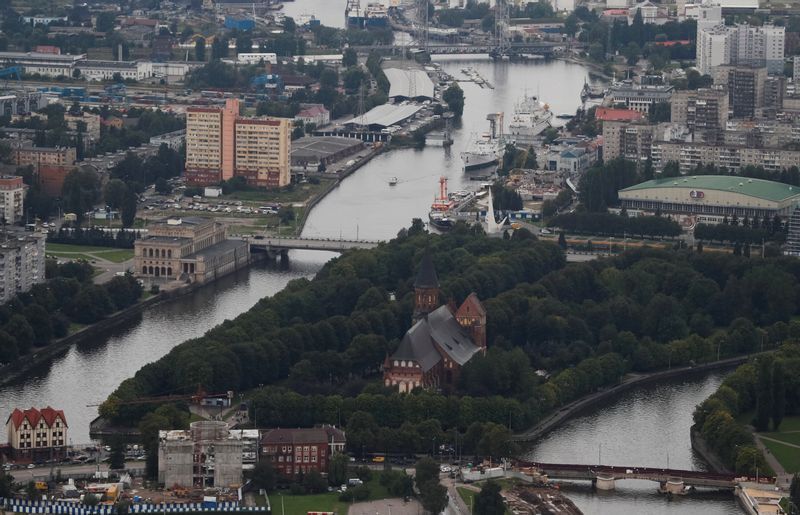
426	276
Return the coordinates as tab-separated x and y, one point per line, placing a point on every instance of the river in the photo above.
637	429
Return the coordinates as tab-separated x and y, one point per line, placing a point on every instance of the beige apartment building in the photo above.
704	112
12	196
689	155
43	156
220	144
37	434
628	140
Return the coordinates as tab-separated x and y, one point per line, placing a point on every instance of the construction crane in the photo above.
195	398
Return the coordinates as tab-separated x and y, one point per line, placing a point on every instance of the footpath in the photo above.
784	479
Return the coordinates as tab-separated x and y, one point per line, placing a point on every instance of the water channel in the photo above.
638	428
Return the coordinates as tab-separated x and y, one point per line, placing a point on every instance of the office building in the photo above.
301	450
12	197
746	87
711	198
191	249
37	435
704	112
638	97
220	144
206	456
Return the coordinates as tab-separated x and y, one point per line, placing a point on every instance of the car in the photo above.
31	466
444	468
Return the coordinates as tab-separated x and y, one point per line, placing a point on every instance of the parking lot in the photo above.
387	507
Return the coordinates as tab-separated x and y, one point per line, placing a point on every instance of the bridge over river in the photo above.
604	476
281	245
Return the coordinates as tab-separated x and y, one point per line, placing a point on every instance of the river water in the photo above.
637	429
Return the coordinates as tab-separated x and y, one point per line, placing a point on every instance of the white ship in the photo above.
483	151
531	118
486	149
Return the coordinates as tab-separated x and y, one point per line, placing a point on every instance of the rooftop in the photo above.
386	115
757	188
607	114
322	146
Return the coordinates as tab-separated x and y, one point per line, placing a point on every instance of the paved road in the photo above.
43	472
784	480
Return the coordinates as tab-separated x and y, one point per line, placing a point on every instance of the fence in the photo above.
73	508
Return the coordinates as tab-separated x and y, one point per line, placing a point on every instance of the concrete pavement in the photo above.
387	507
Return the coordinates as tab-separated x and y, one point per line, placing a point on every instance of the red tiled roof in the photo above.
33	415
312	111
615	12
607	114
673	43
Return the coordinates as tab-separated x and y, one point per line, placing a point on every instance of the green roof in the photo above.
758	188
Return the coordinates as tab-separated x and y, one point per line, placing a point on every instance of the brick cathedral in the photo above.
441	340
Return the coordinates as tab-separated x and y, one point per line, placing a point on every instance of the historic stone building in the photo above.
441	340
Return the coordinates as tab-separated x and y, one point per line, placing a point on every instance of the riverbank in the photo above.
15	370
700	446
576	407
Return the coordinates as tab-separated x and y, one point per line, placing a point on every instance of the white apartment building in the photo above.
12	195
740	45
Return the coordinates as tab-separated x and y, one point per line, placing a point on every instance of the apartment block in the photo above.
740	44
12	197
220	144
627	140
729	157
638	97
37	435
704	112
746	87
21	264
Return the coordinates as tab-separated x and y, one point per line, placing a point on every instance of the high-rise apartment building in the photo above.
629	140
743	44
12	196
746	88
221	144
704	111
21	264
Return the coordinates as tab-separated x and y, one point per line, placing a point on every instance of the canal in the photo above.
365	206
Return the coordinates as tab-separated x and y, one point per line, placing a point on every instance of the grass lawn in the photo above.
793	438
116	255
467	495
74	327
64	247
789	457
299	193
302	504
790	424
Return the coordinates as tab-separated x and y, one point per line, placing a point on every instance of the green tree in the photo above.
489	501
6	484
114	193
763	395
794	491
426	470
778	394
315	483
434	496
454	96
349	58
562	240
117	454
128	211
337	469
200	50
530	160
22	332
263	476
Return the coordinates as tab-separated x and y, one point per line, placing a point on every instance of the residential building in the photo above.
22	261
301	450
746	87
796	70
221	144
206	456
629	140
638	97
313	113
51	164
12	197
608	114
37	435
688	155
20	102
440	342
713	48
741	44
792	247
763	133
191	249
704	111
774	89
174	140
711	198
707	15
649	12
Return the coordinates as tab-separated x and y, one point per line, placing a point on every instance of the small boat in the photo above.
566	116
392	181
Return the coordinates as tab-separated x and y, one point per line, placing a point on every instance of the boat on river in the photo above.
486	149
392	181
531	118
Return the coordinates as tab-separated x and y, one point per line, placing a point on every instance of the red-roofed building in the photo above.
684	42
608	114
37	435
314	113
302	450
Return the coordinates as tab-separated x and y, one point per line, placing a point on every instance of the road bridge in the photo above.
537	47
672	480
273	245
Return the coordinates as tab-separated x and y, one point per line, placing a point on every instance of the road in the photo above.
43	472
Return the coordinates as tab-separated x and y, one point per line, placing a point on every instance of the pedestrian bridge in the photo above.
671	480
272	244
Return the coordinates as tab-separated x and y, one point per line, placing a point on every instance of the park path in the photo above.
784	480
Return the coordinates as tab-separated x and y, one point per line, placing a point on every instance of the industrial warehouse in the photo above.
711	198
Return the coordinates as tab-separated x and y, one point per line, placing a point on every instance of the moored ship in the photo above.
531	118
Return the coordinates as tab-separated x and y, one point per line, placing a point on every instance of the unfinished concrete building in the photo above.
204	456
